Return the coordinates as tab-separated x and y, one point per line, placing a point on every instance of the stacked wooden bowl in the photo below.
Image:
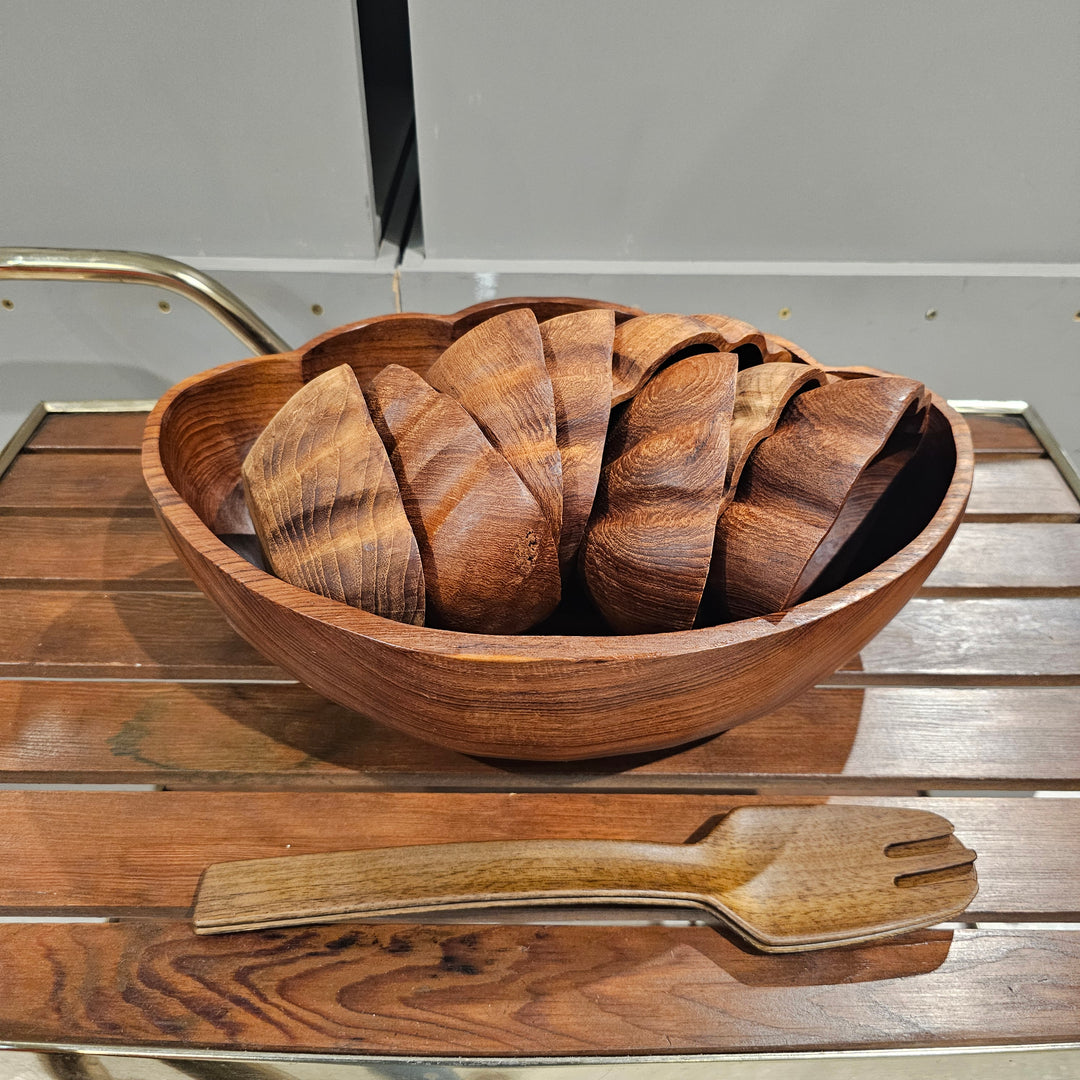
556	528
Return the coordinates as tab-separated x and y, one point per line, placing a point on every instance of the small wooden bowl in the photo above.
546	697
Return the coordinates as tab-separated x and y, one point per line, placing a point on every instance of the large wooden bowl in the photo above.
531	696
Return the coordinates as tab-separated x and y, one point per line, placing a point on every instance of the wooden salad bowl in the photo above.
542	695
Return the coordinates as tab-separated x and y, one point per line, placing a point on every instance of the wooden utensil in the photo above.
497	372
795	486
490	561
326	506
577	350
787	878
645	555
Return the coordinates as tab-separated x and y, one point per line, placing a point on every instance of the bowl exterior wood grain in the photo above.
539	697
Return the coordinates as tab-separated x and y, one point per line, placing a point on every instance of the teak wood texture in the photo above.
787	878
325	503
498	373
552	696
490	559
799	501
577	350
118	671
647	548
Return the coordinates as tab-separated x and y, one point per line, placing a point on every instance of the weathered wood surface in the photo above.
1010	558
435	990
80	483
1002	435
89	431
1015	489
133	553
77	552
513	990
56	483
883	740
54	633
82	853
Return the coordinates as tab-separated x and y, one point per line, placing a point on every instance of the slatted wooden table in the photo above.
118	673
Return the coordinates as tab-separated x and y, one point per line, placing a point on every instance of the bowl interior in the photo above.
212	421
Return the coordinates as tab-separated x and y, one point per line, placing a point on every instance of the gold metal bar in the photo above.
140	268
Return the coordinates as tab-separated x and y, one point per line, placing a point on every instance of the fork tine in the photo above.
943	854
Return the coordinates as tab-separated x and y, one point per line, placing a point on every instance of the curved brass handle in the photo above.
140	268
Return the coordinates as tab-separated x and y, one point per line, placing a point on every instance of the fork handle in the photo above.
330	887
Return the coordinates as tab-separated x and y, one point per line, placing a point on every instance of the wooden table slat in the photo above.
75	483
85	853
1008	434
52	633
1014	489
94	484
123	431
117	431
1002	558
109	552
133	553
528	990
883	739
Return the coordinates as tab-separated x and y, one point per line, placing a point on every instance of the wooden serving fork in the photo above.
786	878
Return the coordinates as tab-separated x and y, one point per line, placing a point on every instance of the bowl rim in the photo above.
184	524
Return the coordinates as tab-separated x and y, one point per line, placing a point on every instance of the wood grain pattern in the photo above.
761	394
643	344
113	552
325	503
497	372
1015	489
490	560
1001	641
60	633
80	483
577	351
116	431
544	697
54	633
512	990
1004	435
82	853
777	344
786	878
848	740
795	486
1033	559
646	551
748	342
543	307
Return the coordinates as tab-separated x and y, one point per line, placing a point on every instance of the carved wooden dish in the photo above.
542	695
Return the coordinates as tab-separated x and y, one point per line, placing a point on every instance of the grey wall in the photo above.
851	165
194	128
937	130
